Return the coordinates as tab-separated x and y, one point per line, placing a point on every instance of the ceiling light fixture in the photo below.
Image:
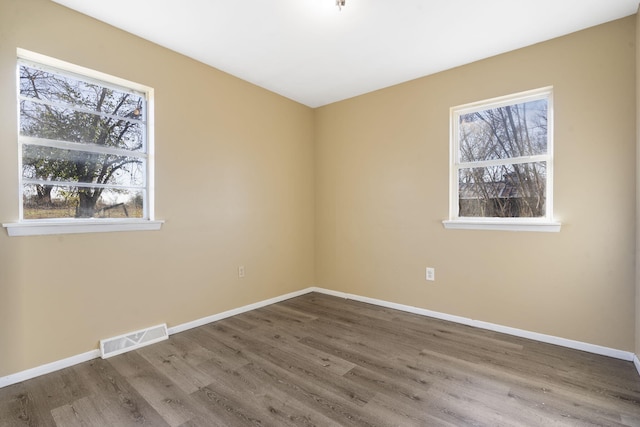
340	3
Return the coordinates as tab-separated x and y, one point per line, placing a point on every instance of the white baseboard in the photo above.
48	368
93	354
550	339
235	311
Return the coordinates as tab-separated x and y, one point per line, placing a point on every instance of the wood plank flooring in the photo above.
318	360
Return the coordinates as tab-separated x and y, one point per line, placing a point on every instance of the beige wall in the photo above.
382	192
637	299
234	178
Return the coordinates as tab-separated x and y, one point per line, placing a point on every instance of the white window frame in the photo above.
546	223
31	227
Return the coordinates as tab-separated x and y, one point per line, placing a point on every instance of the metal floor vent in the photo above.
132	340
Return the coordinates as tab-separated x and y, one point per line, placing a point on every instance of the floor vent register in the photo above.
132	340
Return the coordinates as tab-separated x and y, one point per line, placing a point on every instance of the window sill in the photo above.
551	227
46	227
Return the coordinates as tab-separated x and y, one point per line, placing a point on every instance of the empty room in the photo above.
310	212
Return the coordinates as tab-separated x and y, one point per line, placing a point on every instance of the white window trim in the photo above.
80	225
543	224
480	224
48	227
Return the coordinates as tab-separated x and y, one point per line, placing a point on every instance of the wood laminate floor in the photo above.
325	361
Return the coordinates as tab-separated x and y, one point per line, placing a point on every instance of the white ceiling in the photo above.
313	53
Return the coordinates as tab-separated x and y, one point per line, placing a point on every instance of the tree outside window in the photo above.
84	149
501	158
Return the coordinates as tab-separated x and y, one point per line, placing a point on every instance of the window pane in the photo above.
66	124
64	89
503	191
506	132
56	164
83	142
53	201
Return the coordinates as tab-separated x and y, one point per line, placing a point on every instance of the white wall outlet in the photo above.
431	274
241	271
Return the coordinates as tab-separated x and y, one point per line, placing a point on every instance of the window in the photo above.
501	163
85	148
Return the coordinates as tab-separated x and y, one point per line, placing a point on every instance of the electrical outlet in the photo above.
431	274
241	271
